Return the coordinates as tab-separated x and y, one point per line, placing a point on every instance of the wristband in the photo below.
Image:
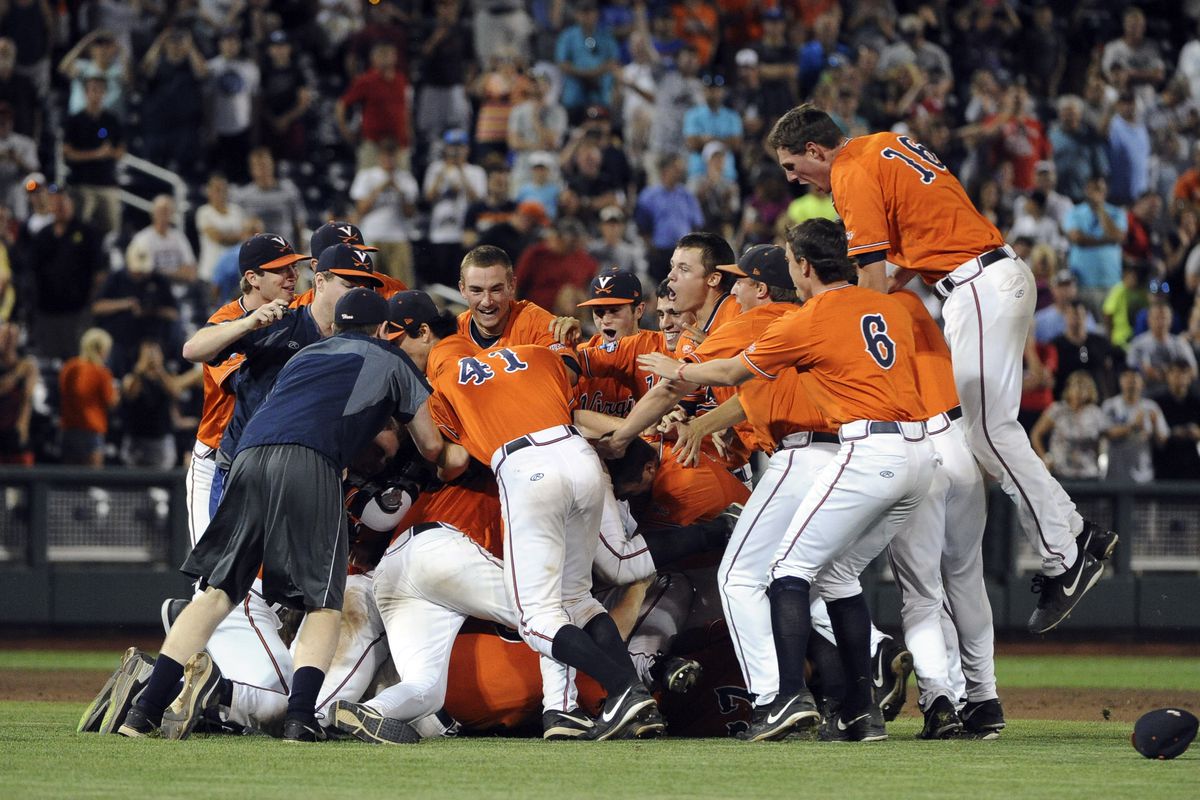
679	372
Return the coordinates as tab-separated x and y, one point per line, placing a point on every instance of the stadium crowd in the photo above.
575	136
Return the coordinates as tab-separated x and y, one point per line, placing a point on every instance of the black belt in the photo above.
424	526
826	438
954	413
883	427
524	441
945	286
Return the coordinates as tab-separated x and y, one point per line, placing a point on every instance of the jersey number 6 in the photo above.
879	345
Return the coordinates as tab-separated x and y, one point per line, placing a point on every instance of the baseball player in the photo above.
283	510
901	204
671	321
336	232
858	348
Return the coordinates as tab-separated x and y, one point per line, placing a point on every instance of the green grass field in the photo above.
42	756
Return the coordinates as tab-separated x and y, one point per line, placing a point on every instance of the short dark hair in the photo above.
484	256
365	330
804	124
628	468
782	294
714	250
444	325
823	243
663	290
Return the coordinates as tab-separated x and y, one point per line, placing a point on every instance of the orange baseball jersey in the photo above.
527	323
681	495
727	308
218	393
897	198
390	287
486	398
779	408
935	375
472	504
611	382
858	346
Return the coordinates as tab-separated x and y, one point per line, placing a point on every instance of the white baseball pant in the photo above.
664	612
198	482
362	648
987	315
622	556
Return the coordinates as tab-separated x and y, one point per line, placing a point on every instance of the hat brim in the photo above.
363	248
394	331
609	301
283	262
732	269
358	275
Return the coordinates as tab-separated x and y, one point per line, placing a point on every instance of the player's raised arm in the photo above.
719	372
425	434
208	342
692	435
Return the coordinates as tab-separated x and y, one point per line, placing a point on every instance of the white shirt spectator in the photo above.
18	158
448	217
233	83
278	206
1043	229
386	221
1129	457
231	223
169	252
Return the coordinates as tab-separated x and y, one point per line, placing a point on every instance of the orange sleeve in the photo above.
726	342
866	218
783	344
445	417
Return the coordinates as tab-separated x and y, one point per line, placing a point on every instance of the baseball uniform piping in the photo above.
353	670
250	618
808	519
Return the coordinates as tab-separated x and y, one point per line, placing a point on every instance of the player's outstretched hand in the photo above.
566	330
608	447
659	364
268	313
698	334
688	444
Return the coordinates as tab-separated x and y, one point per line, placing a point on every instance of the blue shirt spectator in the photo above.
586	53
1079	154
1096	229
667	211
1128	153
712	122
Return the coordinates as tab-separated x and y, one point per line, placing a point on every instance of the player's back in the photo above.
935	375
779	408
920	214
471	504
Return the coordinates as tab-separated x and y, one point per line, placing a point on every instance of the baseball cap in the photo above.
532	208
335	232
1064	276
1164	733
541	158
267	251
746	57
408	311
456	136
360	306
710	150
766	263
344	260
614	287
612	214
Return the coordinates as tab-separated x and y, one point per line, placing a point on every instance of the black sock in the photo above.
828	679
671	544
576	649
851	622
161	689
603	631
225	686
791	621
306	684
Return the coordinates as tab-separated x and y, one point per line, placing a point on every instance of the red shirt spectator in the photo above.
382	92
1018	138
555	273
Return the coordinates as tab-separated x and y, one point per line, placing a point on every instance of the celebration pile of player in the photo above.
481	516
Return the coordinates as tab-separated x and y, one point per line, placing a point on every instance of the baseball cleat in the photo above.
201	693
891	666
128	681
93	715
137	725
367	724
1059	594
558	725
983	720
676	674
648	724
941	720
1098	542
865	727
170	610
781	717
620	712
303	729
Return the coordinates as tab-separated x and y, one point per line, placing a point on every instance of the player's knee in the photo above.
788	583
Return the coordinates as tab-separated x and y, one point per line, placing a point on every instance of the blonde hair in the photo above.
1083	381
95	345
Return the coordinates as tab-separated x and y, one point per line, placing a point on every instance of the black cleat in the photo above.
137	725
865	727
621	712
1098	542
1059	594
676	674
781	717
941	720
648	724
983	720
94	714
303	729
367	724
200	695
128	681
170	610
890	668
557	725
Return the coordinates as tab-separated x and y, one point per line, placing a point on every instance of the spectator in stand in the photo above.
1134	423
1150	353
148	396
777	60
543	185
276	202
385	198
451	185
219	224
287	94
18	158
1192	334
588	187
106	59
1045	180
1187	187
136	304
1125	302
1037	382
87	393
612	248
18	380
496	207
31	23
822	50
1043	54
1128	151
718	195
1017	137
497	91
665	212
1051	322
1181	241
382	91
1096	229
1079	153
1075	425
71	264
520	231
1133	54
18	91
1189	65
1143	231
93	143
170	251
638	84
913	48
498	24
1034	222
812	203
697	23
172	112
712	121
677	92
537	123
1179	457
587	55
448	58
8	292
1079	350
234	83
555	272
39	205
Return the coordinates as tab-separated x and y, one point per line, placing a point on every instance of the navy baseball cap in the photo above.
360	306
614	287
765	263
1164	733
267	251
408	311
344	260
334	232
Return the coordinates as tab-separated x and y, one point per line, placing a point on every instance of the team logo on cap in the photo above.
361	260
603	286
278	240
348	234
